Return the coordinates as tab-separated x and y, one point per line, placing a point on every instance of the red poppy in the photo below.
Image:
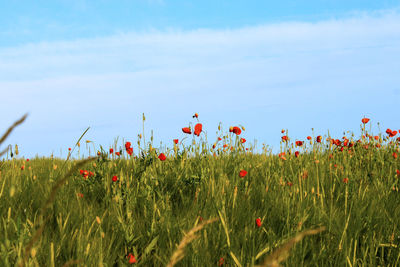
221	261
242	140
69	149
388	131
195	115
186	130
242	173
376	137
129	151
365	120
394	155
162	157
80	195
393	133
176	141
285	138
319	139
117	153
258	222
127	145
398	172
289	183
282	131
27	159
345	180
132	258
236	130
296	154
197	129
114	178
111	150
299	143
308	137
22	167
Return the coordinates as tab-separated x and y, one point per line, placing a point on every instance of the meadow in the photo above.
322	201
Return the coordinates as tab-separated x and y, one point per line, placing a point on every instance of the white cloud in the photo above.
267	69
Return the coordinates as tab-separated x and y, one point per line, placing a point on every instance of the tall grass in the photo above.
55	216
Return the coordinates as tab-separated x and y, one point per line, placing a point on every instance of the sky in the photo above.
306	66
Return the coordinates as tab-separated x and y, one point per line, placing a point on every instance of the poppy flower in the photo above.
114	178
236	130
176	141
397	172
197	129
129	151
221	261
162	157
127	145
282	131
365	120
242	140
132	258
219	138
22	167
258	222
117	153
27	159
289	183
285	138
80	195
296	154
388	131
345	180
242	173
186	130
319	139
195	115
111	150
299	143
69	149
393	133
308	137
394	155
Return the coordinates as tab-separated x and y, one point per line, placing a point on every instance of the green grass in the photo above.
153	204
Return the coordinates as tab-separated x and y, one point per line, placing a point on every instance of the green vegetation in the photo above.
198	208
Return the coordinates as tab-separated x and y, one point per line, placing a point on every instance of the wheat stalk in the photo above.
179	253
282	253
7	133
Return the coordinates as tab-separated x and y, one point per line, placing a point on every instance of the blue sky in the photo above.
265	65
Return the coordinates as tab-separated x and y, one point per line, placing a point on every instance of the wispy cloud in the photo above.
273	73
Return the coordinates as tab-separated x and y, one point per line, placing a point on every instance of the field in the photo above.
322	201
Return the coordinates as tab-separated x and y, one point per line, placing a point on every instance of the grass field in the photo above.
321	202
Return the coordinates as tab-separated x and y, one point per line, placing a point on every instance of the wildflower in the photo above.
345	180
69	149
114	178
388	131
258	222
129	151
197	129
22	167
376	137
111	150
296	154
219	138
242	173
282	131
308	137
186	130
285	138
394	155
397	172
319	139
365	120
80	195
162	157
132	258
176	141
195	115
128	145
27	159
289	183
236	130
299	143
282	155
242	140
117	153
221	261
